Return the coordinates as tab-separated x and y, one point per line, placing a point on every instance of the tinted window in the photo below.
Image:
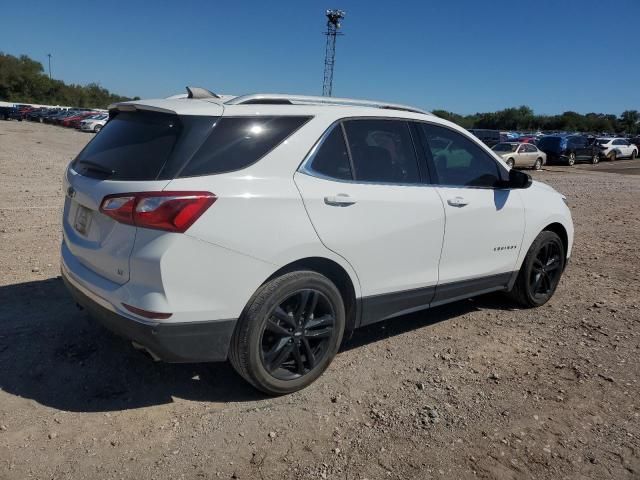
505	147
236	143
550	143
458	160
530	148
332	158
382	151
131	146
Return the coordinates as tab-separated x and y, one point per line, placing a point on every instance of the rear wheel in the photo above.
511	162
571	160
595	158
613	156
540	272
289	332
634	154
538	164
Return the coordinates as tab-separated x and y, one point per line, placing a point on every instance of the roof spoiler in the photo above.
199	92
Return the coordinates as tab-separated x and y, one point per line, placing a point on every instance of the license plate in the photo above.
83	220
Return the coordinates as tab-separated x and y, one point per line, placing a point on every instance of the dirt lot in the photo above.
475	389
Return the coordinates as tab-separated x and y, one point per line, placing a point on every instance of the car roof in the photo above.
203	102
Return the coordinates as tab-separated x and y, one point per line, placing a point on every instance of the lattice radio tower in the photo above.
333	25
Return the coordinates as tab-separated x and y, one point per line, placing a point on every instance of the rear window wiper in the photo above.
96	167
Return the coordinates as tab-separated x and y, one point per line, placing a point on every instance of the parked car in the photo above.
203	231
489	137
5	112
569	149
94	123
528	139
615	148
74	120
517	154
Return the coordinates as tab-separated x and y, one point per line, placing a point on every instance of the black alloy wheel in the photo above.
289	332
297	334
540	272
545	271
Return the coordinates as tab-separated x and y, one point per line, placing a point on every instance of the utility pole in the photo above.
49	55
333	25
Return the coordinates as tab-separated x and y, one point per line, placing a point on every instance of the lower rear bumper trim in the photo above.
170	342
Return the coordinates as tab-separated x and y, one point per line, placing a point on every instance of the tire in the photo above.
571	160
634	154
595	158
538	164
511	162
613	156
273	348
97	128
540	272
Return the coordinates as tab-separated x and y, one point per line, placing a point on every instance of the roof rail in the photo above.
278	98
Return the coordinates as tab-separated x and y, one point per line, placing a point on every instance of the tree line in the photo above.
523	119
23	80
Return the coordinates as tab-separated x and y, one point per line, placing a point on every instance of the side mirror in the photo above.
518	179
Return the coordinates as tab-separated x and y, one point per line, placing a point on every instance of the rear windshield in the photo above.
505	147
603	141
145	145
132	146
549	143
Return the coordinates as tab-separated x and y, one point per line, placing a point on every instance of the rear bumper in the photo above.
170	342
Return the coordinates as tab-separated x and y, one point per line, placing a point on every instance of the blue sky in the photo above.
460	55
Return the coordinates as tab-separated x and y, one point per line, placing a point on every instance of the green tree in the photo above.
23	80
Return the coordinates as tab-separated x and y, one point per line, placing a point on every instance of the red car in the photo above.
74	120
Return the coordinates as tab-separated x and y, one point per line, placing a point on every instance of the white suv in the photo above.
615	148
260	228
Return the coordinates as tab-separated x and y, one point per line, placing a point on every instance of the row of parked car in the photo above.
536	150
82	119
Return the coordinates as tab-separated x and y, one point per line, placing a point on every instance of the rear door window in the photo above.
382	151
237	142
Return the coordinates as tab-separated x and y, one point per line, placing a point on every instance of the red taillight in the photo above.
170	211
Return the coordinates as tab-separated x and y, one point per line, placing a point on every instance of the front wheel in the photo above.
511	162
634	154
595	158
540	272
289	332
97	128
571	160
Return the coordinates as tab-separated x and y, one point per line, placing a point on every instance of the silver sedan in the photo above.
521	154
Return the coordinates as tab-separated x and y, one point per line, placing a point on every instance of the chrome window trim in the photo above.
305	165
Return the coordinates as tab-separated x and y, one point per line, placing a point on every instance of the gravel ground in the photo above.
473	389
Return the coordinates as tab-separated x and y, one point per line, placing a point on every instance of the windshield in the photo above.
505	147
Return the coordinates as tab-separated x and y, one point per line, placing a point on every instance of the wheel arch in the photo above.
334	272
561	231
